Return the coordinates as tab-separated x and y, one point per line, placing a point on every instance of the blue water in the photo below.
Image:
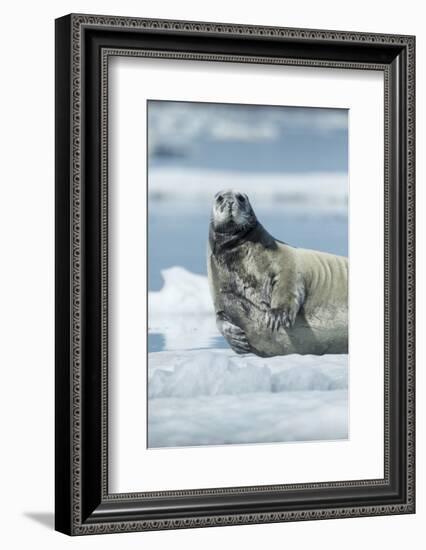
285	155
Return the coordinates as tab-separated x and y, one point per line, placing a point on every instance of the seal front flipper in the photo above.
282	298
233	334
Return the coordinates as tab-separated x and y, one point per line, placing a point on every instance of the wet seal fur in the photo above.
271	298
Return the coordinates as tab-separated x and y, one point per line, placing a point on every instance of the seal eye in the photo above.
219	199
240	198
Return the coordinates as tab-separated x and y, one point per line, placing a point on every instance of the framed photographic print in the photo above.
234	274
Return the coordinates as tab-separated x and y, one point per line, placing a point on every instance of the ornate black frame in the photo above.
83	46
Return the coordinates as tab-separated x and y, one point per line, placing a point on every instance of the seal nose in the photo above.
227	201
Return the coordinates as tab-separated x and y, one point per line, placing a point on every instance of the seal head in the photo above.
233	222
232	212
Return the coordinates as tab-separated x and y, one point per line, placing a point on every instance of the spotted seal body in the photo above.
271	298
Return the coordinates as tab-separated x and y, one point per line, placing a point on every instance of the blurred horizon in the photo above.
248	138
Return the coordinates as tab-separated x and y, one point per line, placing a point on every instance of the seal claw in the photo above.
277	319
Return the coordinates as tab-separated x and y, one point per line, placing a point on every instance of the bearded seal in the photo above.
271	298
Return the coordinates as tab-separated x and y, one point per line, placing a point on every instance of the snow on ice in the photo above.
182	311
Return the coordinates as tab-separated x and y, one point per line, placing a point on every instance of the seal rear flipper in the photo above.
233	334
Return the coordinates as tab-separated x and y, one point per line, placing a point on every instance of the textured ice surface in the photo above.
214	397
203	396
248	418
222	372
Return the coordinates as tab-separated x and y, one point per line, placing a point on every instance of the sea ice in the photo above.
214	397
199	395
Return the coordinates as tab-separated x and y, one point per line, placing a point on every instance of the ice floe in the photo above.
202	395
